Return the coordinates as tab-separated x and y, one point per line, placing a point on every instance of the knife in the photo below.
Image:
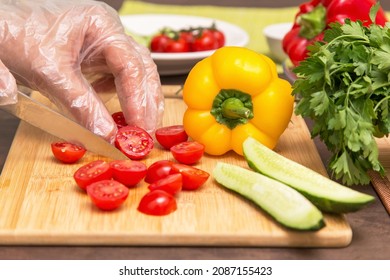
42	117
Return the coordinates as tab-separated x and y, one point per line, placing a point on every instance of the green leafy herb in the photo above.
344	87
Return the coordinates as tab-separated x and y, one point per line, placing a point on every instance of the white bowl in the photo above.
274	34
180	63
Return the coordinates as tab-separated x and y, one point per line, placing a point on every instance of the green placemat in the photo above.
252	20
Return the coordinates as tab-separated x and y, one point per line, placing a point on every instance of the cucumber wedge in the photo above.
326	194
284	204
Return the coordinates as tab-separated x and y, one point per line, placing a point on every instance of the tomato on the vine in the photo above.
157	203
107	194
205	41
92	172
188	152
134	142
128	172
67	152
159	43
177	45
169	136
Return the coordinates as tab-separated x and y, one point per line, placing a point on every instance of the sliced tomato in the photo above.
193	178
157	203
169	136
189	152
119	119
172	184
158	170
67	152
92	172
107	194
128	172
134	142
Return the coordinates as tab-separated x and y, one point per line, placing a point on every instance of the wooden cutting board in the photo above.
40	203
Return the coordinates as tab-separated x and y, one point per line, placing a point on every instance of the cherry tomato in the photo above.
169	136
92	172
188	36
219	37
158	170
159	43
67	152
205	41
188	152
177	46
119	119
134	142
157	203
128	172
172	184
107	194
193	177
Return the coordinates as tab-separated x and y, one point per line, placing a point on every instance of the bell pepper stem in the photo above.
233	108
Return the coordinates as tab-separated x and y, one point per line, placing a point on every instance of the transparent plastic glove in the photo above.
53	46
7	86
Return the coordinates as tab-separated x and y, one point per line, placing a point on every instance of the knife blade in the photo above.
51	121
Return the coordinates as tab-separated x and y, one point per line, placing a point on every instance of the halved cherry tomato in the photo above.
128	172
119	119
67	152
92	172
157	203
169	136
134	142
172	184
107	194
158	170
193	177
189	152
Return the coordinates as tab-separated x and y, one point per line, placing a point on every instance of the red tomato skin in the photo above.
193	178
172	184
158	170
169	136
128	172
177	46
219	37
157	203
67	152
119	119
92	172
189	152
159	43
205	41
134	142
107	194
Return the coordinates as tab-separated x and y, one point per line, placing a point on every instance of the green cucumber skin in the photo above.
255	187
328	195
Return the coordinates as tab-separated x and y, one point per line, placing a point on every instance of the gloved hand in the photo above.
57	47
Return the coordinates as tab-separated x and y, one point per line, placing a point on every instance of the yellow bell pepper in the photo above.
233	94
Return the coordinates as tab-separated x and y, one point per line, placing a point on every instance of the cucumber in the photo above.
326	194
284	204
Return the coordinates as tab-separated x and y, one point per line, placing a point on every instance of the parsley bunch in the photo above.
344	87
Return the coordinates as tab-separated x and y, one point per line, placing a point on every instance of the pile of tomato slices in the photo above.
192	39
108	183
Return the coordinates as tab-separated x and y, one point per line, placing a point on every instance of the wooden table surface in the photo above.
371	227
